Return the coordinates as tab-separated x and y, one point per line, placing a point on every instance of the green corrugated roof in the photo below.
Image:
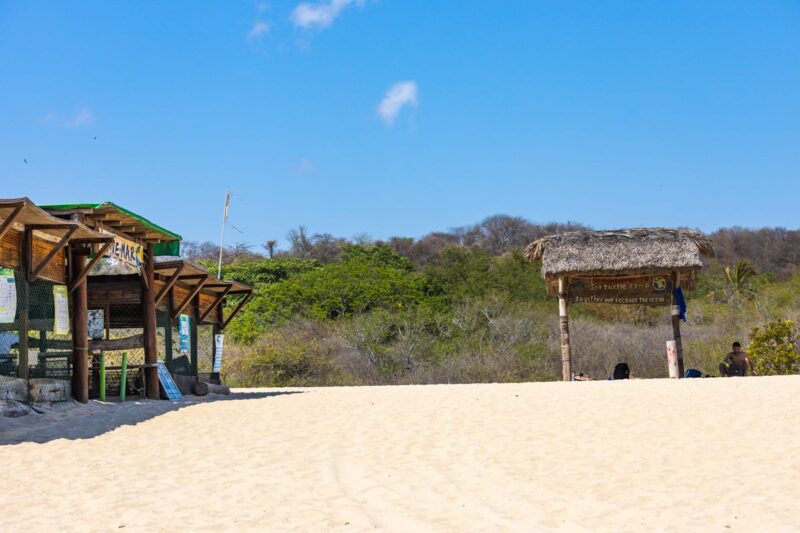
164	248
140	218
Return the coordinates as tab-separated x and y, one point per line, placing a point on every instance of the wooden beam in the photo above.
6	225
236	310
563	323
170	282
191	295
216	303
165	265
36	270
64	225
80	336
88	268
149	322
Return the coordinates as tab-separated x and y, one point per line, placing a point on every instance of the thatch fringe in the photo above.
624	250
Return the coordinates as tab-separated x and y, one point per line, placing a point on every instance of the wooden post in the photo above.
193	343
563	322
676	327
149	322
80	328
23	305
168	334
676	334
43	353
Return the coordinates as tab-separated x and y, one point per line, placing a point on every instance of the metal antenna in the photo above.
222	234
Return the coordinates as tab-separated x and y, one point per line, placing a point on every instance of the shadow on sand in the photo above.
75	421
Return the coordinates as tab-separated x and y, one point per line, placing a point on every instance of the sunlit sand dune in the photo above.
702	454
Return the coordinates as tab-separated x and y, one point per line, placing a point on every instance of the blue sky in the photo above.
399	118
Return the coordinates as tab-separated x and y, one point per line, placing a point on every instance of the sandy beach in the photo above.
642	455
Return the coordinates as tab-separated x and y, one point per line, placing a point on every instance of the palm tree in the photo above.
270	247
738	279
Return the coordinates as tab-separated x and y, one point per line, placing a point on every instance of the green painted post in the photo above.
102	377
123	377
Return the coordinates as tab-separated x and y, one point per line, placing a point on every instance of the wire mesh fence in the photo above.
205	351
37	343
115	330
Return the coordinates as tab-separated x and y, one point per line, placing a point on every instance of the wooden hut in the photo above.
639	266
147	289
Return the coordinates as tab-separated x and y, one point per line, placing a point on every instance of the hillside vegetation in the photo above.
464	306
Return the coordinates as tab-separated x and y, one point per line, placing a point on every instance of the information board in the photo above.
168	383
61	307
219	340
183	334
8	295
631	290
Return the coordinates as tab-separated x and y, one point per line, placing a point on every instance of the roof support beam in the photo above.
170	282
216	303
6	225
236	309
185	302
88	267
36	270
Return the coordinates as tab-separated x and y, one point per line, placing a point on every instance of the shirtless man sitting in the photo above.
736	363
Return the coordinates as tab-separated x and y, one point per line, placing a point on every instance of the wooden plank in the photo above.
6	225
88	268
36	269
236	309
169	283
188	298
216	303
56	268
10	247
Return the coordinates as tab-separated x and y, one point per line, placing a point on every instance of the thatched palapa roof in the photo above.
620	251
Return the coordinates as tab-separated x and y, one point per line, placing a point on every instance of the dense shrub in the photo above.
773	348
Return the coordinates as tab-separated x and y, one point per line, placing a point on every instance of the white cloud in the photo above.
399	95
320	14
304	167
258	29
82	117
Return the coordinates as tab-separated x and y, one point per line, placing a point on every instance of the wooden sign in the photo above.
627	290
126	251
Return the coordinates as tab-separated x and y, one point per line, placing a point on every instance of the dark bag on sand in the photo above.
622	371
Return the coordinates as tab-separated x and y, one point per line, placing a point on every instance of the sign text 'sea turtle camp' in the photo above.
633	290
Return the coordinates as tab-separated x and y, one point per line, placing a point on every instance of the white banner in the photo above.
8	295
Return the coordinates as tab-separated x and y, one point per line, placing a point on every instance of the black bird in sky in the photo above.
26	161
